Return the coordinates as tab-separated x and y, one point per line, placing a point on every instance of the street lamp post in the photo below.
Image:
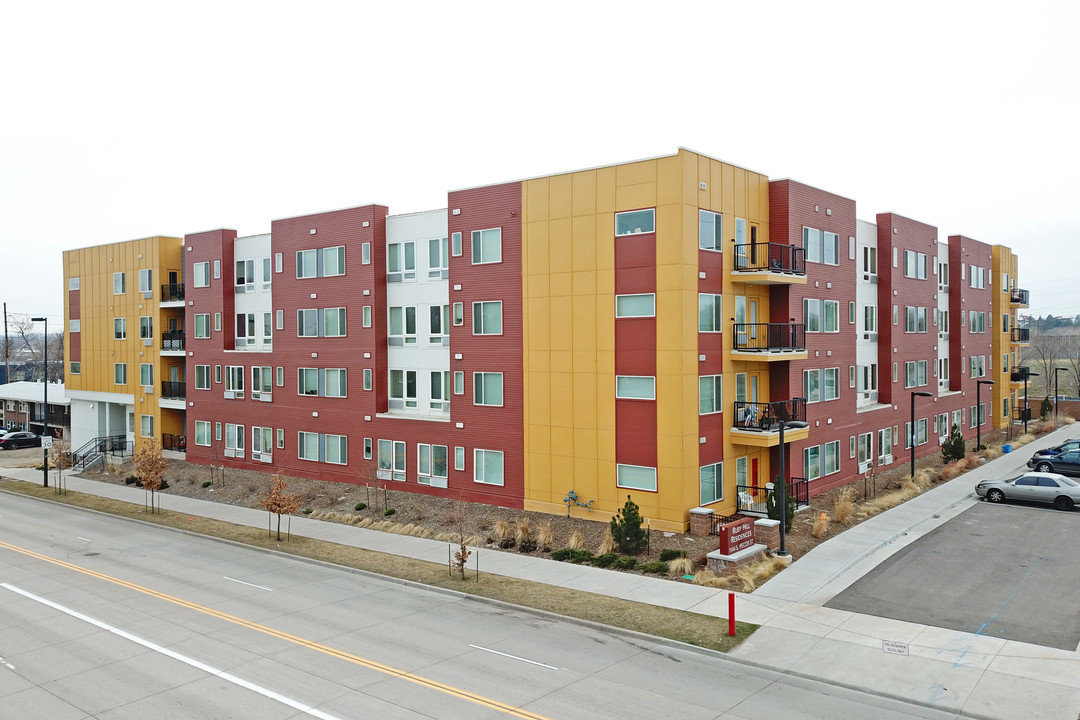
781	495
1027	405
911	436
1056	371
978	412
45	404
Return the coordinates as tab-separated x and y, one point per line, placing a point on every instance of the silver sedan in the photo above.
1045	487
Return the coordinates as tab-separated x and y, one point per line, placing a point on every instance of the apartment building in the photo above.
669	329
124	342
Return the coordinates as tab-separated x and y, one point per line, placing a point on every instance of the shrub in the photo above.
954	446
625	562
681	566
562	554
544	537
582	556
306	511
607	544
605	560
773	511
657	566
821	525
1046	408
708	578
524	536
626	528
669	554
844	506
503	536
205	483
389	511
359	506
576	541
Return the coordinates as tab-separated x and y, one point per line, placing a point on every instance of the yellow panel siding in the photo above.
605	201
583	231
583	194
560	196
671	181
560	249
536	253
634	173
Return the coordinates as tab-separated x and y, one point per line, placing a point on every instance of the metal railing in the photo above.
1020	374
774	257
177	443
96	449
718	520
172	340
766	416
1021	335
754	498
172	292
174	390
1020	297
57	418
769	337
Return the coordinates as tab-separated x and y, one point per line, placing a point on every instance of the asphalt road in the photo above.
113	620
1006	571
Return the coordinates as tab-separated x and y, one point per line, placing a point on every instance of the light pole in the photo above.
1027	405
45	405
1056	371
978	412
911	437
781	495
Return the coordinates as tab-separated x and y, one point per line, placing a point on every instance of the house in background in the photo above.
22	408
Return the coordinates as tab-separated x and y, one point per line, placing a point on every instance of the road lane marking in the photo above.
514	657
261	587
294	704
80	537
325	649
6	664
1011	596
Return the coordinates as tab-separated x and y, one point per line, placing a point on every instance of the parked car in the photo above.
1047	487
18	439
1067	463
1058	449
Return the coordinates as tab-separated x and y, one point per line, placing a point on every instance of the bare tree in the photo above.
56	357
1042	356
150	466
457	520
60	458
1072	352
279	502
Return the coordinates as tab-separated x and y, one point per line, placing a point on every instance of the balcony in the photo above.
175	443
1020	336
768	263
173	390
1020	374
172	294
757	424
172	342
1019	297
769	341
753	498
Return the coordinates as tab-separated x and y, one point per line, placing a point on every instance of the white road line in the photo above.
513	657
261	587
80	537
6	664
296	705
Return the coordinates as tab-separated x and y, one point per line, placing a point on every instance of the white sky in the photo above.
121	120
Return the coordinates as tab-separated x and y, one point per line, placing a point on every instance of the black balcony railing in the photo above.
57	418
172	292
769	337
754	498
1019	297
1021	335
774	257
173	442
174	390
172	340
766	416
1019	374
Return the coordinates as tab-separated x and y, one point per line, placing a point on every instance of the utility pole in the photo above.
7	370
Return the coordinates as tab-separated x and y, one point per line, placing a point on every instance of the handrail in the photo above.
774	257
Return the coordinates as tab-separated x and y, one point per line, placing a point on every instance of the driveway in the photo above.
1005	571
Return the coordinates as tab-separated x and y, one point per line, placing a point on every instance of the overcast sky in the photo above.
123	120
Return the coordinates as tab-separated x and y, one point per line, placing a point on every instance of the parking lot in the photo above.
1007	571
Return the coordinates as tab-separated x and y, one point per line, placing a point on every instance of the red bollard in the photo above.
731	614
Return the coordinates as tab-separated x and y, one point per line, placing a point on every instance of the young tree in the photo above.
60	458
150	466
279	502
457	519
627	531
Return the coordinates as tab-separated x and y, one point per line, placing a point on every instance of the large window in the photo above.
710	394
914	264
488	467
978	366
915	373
234	380
245	329
403	387
635	221
438	257
710	313
487	388
487	318
392	460
319	447
146	374
914	319
262	443
710	230
146	327
977	276
711	483
146	280
234	440
325	262
431	464
401	329
325	382
201	271
401	261
328	322
120	373
202	433
262	381
202	377
119	328
635	387
978	322
831	315
487	246
146	425
439	323
631	306
202	325
821	247
821	460
635	477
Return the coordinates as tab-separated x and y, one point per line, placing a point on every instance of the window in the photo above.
401	261
119	328
921	436
977	277
245	275
366	316
914	264
217	269
74	326
392	460
915	373
978	366
459	458
869	265
245	329
280	432
459	313
455	244
262	442
870	318
307	264
402	325
333	261
812	462
277	262
710	394
885	442
146	281
866	447
146	425
832	383
365	253
307	447
710	230
711	483
333	322
324	382
76	367
261	381
146	374
367	448
267	329
73	283
830	246
710	313
307	323
202	433
324	262
279	377
631	306
439	324
914	319
459	382
217	431
217	374
367	378
317	447
431	463
978	322
217	322
118	284
234	380
440	390
634	222
487	318
812	314
832	457
202	325
403	387
328	322
438	257
487	246
832	315
120	373
487	388
146	327
812	385
202	377
202	274
821	247
635	477
635	387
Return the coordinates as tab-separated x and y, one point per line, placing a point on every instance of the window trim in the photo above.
644	212
619	481
624	396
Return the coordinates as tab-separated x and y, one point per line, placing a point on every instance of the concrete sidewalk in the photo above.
972	676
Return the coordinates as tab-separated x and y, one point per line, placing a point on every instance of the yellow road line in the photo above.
341	654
